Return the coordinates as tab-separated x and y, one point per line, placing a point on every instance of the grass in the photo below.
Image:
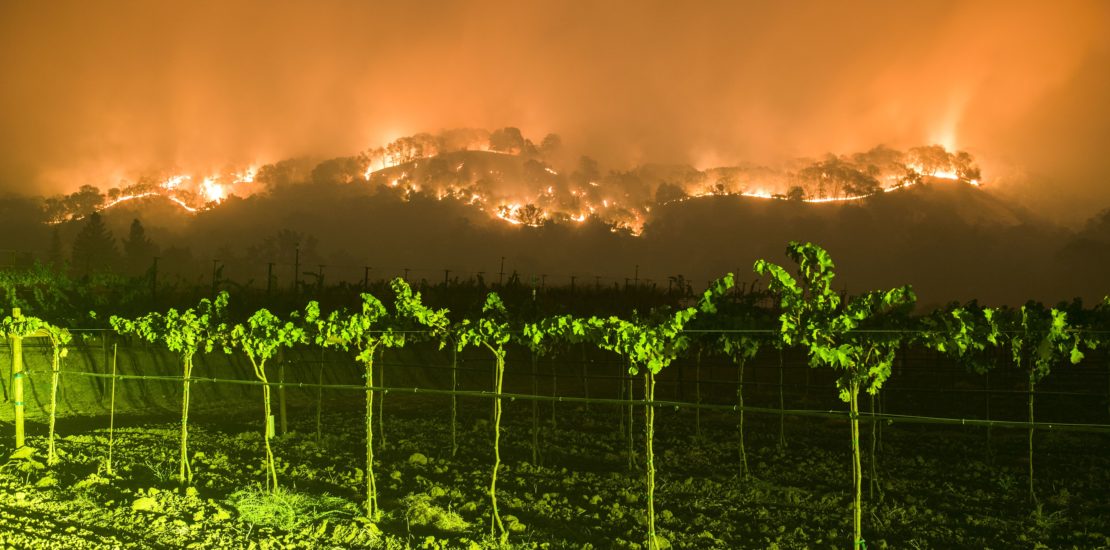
287	509
421	511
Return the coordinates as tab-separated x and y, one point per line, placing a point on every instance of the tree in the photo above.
817	317
965	166
94	248
506	140
668	192
835	177
461	139
588	171
882	157
138	250
56	258
83	202
551	145
930	159
338	170
285	173
796	194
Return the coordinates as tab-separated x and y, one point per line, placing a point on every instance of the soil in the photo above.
936	486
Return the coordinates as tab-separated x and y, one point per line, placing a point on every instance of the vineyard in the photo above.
784	414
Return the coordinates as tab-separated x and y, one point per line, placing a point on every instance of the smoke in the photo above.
98	92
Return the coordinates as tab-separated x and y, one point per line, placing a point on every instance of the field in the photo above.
935	486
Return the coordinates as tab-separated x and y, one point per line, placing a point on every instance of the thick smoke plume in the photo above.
95	93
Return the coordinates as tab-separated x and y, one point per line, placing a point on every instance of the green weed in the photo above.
420	510
288	510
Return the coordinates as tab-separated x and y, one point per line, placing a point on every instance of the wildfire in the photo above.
407	166
174	182
757	194
246	176
126	198
213	191
181	203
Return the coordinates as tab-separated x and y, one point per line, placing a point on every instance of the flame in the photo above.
173	182
212	191
557	200
126	198
181	203
835	199
246	176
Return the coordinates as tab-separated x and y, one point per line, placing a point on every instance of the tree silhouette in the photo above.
506	140
930	159
94	248
138	250
551	145
56	258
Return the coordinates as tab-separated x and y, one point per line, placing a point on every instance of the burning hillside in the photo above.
510	178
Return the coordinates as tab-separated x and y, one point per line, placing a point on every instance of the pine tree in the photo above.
94	248
138	250
56	259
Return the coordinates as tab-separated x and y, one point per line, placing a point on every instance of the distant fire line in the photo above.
543	208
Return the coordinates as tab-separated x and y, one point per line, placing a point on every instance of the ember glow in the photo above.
173	182
191	192
524	189
529	192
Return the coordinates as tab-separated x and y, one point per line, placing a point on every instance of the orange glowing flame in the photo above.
173	182
212	191
555	199
246	176
126	198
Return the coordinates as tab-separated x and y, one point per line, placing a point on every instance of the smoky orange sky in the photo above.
91	92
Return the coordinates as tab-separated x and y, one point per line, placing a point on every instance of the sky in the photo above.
98	91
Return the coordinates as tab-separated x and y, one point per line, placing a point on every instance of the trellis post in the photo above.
17	383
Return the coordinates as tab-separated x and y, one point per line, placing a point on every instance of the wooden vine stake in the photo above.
17	327
17	385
